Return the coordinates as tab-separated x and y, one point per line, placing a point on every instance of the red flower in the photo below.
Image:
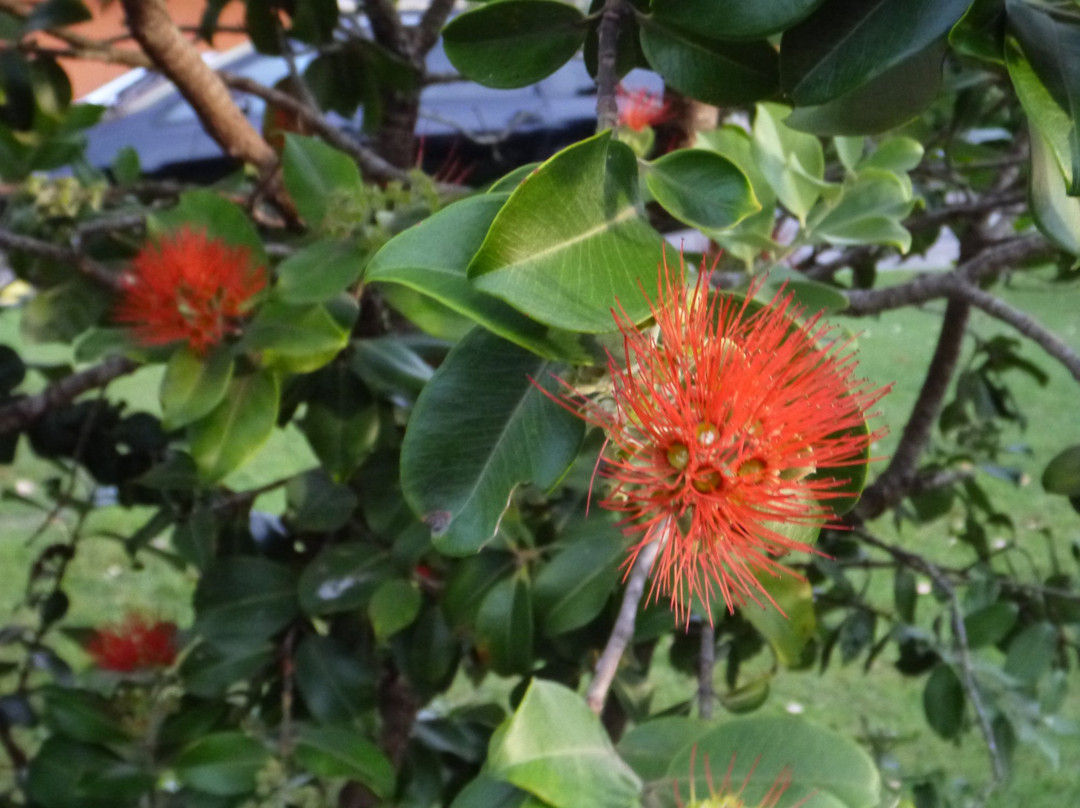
134	644
727	797
641	108
715	428
188	287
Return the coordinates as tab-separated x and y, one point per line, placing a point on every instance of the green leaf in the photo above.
1062	474
733	19
319	271
720	73
990	624
210	671
555	748
336	686
886	101
484	791
701	188
341	422
390	365
237	427
793	163
55	14
61	770
1050	37
572	588
470	582
869	211
316	174
504	627
847	43
980	33
536	252
393	607
300	339
459	230
827	769
897	154
789	624
514	43
244	598
193	385
1043	111
333	752
342	578
318	504
481	427
62	313
223	763
82	716
211	213
1031	652
944	702
1055	212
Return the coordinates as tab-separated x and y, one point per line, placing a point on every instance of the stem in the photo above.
622	632
706	663
607	110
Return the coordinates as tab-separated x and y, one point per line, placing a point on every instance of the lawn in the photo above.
104	582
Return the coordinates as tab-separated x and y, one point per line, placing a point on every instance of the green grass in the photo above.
104	582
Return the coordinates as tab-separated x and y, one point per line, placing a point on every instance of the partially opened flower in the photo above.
641	108
134	644
722	424
191	288
725	795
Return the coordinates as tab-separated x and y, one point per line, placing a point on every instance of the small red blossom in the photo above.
717	421
188	288
727	797
641	108
135	643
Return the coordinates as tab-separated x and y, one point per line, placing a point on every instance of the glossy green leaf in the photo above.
319	271
224	763
733	19
827	769
317	503
335	684
897	154
788	622
869	211
720	73
504	627
210	671
1062	474
536	252
216	216
393	607
316	174
514	43
61	771
193	385
793	163
334	752
82	716
990	624
944	702
55	14
471	580
244	598
301	339
237	427
554	747
1050	38
459	230
1031	652
886	101
342	578
484	791
701	188
1055	212
572	588
1043	111
390	365
342	420
847	43
480	428
62	313
980	33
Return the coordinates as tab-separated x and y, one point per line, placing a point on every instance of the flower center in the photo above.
707	480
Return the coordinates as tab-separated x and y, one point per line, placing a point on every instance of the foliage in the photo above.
413	603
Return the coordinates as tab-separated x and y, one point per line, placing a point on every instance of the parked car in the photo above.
483	131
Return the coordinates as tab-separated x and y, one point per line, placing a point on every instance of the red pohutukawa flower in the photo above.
718	419
191	288
135	643
641	108
726	796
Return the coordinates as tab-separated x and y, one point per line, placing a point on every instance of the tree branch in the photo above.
63	255
22	412
431	24
607	110
622	632
893	483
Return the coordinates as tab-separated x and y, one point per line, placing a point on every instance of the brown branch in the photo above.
431	23
893	483
179	60
63	255
1022	322
607	110
22	412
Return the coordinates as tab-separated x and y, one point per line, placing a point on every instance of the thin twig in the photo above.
63	255
622	632
607	110
706	664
